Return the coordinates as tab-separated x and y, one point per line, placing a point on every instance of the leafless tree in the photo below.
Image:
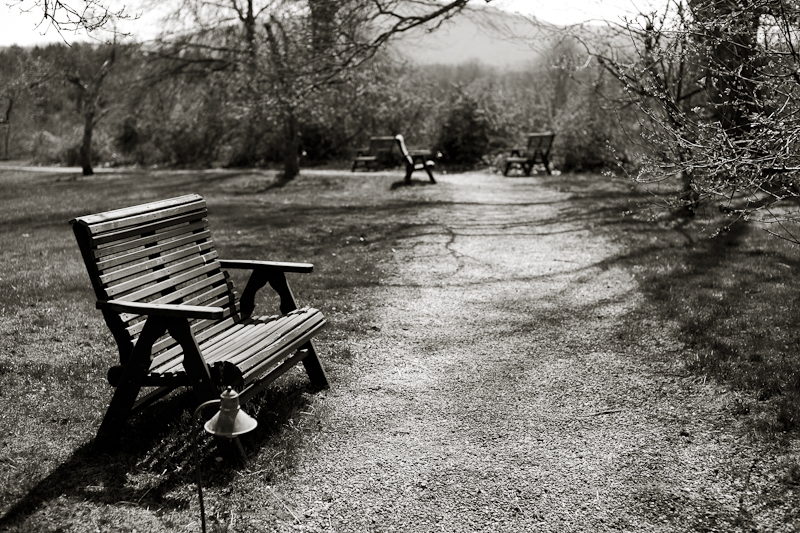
71	15
90	105
717	84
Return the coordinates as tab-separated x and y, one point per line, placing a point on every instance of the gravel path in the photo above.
498	389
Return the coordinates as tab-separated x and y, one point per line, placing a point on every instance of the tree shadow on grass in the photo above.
733	298
155	458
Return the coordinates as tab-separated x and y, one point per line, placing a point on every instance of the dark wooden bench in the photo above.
389	152
537	151
378	155
415	159
174	313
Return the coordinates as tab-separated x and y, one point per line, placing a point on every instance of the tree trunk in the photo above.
7	123
323	24
86	145
689	196
6	140
291	145
728	41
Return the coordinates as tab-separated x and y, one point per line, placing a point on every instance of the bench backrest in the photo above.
159	252
401	144
378	145
540	142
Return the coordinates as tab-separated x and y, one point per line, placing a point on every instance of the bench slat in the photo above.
160	274
178	295
172	282
133	270
167	343
241	358
199	325
245	340
132	216
286	344
290	347
149	240
237	342
104	239
251	339
163	358
194	238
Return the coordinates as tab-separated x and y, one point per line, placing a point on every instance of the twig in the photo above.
606	412
284	506
143	495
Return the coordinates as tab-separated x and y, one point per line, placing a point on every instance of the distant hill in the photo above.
485	34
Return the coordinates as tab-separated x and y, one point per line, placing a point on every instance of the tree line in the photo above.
289	88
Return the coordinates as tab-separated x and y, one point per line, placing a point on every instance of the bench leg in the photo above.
312	363
314	369
546	161
193	362
527	167
130	383
430	173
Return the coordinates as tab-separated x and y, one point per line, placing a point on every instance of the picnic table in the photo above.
537	151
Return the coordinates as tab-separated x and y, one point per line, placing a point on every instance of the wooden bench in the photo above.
390	152
537	151
415	160
174	313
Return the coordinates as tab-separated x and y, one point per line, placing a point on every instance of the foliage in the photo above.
591	131
22	77
282	53
74	15
464	137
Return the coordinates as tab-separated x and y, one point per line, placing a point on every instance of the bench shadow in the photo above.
412	183
154	459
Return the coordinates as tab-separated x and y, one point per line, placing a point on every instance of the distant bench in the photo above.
378	155
388	152
537	151
175	316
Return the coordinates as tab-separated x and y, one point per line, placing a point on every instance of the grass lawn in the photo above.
733	299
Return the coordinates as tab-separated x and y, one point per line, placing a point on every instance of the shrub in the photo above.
589	137
464	135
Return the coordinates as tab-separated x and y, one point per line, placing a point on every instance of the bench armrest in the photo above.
269	266
170	310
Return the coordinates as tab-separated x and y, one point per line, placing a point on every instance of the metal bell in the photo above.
230	421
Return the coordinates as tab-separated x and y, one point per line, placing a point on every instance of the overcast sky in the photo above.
27	28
